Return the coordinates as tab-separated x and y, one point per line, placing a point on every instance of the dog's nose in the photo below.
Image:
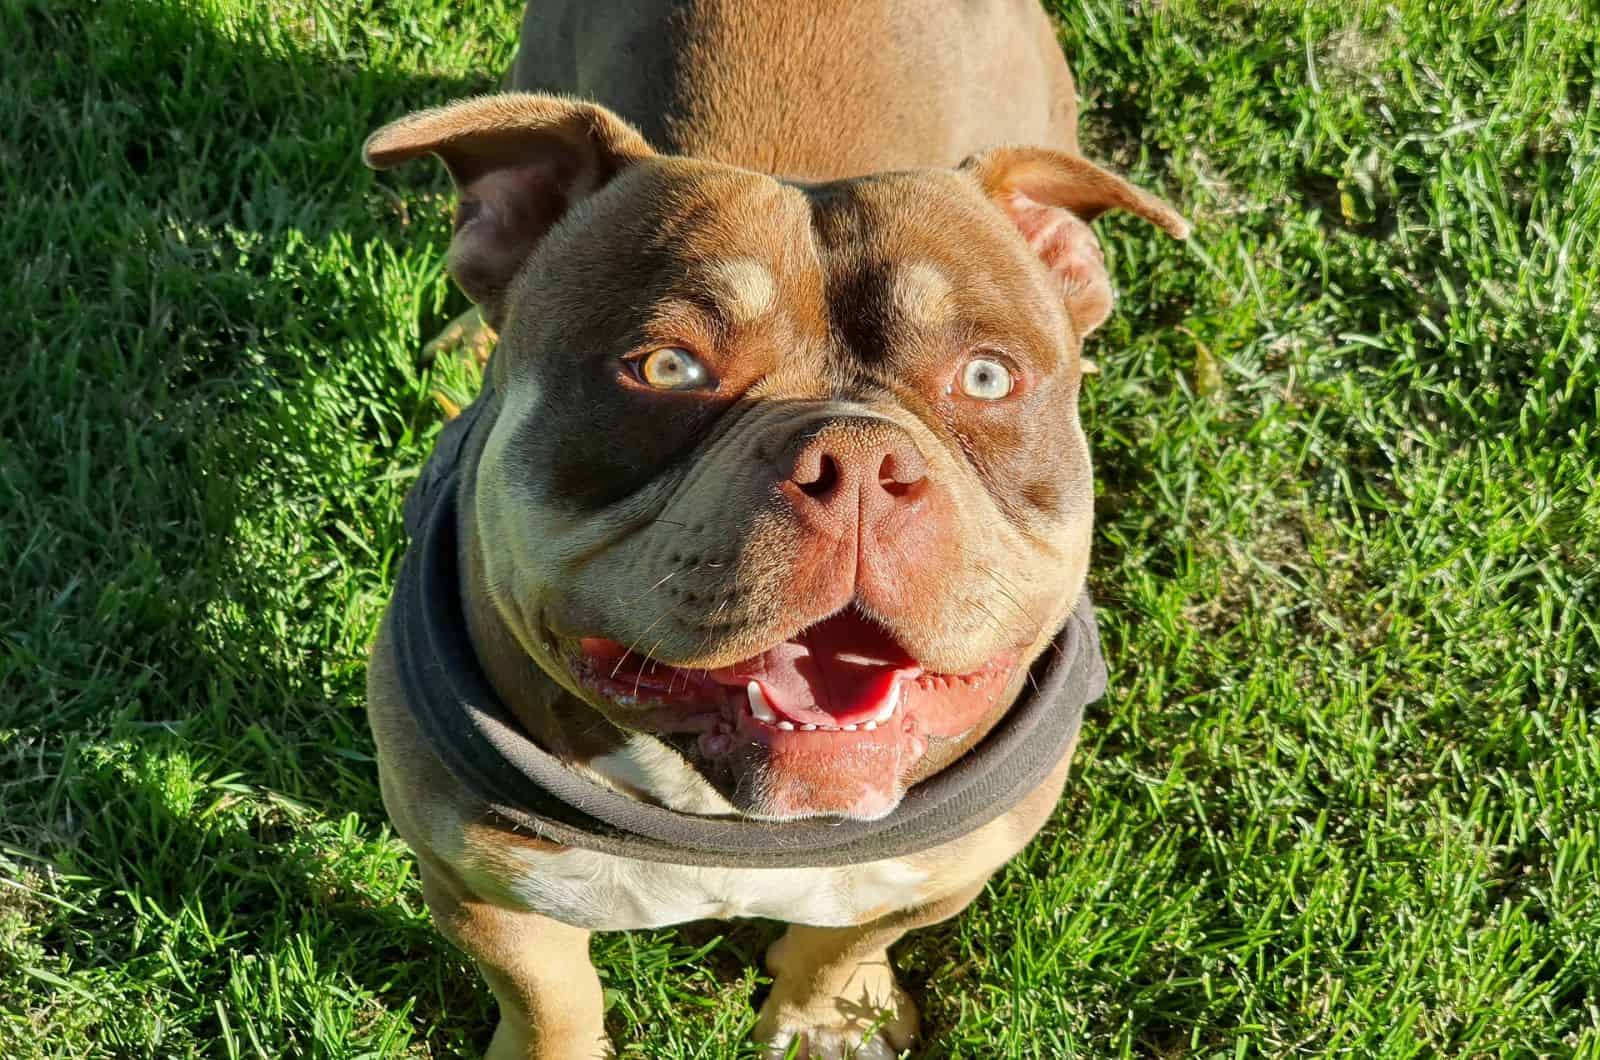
854	472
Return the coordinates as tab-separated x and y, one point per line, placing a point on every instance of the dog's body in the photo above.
814	91
594	527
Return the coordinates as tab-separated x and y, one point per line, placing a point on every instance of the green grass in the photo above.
1342	800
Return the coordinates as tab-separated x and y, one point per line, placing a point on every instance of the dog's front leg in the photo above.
539	969
835	992
468	335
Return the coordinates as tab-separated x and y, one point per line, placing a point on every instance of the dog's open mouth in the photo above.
839	707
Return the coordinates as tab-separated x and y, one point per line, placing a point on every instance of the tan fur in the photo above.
551	1006
655	203
745	287
923	293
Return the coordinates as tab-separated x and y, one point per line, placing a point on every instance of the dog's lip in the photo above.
802	688
840	672
686	698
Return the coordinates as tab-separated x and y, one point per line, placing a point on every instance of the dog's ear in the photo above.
520	161
1051	196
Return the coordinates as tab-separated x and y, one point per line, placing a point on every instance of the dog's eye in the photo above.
672	368
986	380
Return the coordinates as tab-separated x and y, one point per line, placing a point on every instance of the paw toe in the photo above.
856	1035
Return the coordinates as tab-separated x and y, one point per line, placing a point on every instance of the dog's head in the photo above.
788	474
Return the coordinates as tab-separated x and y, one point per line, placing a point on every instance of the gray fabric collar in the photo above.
480	742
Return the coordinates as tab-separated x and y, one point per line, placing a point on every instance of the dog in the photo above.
775	505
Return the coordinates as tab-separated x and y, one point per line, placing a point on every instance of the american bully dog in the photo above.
752	584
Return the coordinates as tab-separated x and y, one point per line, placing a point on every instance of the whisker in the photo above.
993	618
642	634
1007	594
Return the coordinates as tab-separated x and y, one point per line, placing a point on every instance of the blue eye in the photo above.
673	368
986	380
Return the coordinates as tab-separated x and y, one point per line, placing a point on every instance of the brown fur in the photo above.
832	306
814	91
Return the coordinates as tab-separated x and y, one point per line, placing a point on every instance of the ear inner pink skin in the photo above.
1069	249
1051	196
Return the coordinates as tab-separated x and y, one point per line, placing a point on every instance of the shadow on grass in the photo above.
216	381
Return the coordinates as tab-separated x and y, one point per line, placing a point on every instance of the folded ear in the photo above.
520	162
1051	196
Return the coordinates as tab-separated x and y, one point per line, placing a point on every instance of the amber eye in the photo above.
672	368
986	380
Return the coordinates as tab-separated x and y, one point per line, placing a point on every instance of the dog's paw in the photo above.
468	335
838	1029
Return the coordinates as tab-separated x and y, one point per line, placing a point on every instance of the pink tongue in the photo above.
839	672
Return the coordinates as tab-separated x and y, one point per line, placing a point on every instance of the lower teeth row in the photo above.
762	711
789	726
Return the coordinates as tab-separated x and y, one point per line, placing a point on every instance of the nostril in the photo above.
900	477
822	481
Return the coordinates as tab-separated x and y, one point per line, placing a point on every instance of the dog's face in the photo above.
790	475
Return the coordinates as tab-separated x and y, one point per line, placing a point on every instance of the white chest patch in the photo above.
606	893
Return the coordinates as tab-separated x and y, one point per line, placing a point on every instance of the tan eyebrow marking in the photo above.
745	287
922	293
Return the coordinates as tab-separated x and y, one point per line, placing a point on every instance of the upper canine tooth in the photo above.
889	704
759	707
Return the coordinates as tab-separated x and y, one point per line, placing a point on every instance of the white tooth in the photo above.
890	704
786	726
848	728
759	707
830	728
809	727
870	726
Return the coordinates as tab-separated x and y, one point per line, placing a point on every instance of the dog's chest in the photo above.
606	893
603	892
